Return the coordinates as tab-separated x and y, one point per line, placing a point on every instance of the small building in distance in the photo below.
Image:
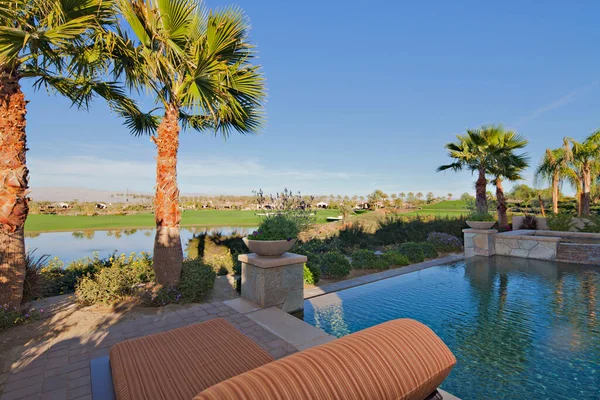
322	204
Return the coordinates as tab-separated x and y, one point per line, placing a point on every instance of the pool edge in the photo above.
378	276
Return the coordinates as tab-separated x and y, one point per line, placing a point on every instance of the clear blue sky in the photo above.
362	95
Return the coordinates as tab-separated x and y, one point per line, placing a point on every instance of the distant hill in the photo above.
72	193
85	194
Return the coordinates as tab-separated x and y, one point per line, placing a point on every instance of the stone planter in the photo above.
481	224
269	248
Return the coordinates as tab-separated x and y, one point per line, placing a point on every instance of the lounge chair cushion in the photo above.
401	359
182	362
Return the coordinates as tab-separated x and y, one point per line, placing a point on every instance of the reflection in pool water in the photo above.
520	329
69	246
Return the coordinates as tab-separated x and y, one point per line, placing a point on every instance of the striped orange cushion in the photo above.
401	359
182	362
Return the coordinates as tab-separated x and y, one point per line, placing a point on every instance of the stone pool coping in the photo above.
390	273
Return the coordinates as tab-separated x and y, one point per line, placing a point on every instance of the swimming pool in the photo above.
519	328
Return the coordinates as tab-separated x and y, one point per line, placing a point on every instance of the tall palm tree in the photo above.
197	64
477	151
508	167
584	159
553	168
59	44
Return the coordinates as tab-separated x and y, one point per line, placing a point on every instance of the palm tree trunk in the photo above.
585	195
502	216
14	178
555	194
480	192
168	254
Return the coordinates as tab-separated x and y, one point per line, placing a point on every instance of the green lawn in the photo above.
448	208
44	222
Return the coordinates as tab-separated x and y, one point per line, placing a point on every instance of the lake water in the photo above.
69	246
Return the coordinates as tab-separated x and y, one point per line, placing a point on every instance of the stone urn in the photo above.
481	224
269	248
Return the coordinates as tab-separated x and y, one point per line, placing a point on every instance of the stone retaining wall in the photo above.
526	246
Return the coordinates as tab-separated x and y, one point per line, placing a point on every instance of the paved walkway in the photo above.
60	369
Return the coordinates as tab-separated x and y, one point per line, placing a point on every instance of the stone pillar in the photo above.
274	281
480	242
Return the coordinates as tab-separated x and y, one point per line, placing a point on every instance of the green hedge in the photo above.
334	265
413	251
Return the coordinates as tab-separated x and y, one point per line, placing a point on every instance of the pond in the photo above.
69	246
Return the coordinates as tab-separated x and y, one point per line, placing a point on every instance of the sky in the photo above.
362	95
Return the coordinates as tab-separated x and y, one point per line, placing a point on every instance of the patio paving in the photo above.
60	368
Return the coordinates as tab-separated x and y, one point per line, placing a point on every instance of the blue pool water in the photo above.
520	329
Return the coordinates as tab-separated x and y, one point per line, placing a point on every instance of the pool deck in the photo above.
390	273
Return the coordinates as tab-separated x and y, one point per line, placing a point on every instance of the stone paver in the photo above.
61	370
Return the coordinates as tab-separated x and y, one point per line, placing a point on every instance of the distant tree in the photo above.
553	169
430	197
346	208
419	196
394	196
466	197
584	159
449	196
402	195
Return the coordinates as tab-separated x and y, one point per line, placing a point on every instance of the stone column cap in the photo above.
488	231
272	262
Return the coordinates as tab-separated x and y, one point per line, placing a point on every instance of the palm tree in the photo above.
508	167
584	159
59	44
477	151
553	169
197	64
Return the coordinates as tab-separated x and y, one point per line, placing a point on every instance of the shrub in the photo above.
365	259
334	265
123	278
393	259
276	227
428	250
560	222
480	216
399	228
56	279
354	234
33	270
216	250
314	246
197	281
591	224
315	268
529	222
444	242
413	251
309	277
11	316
